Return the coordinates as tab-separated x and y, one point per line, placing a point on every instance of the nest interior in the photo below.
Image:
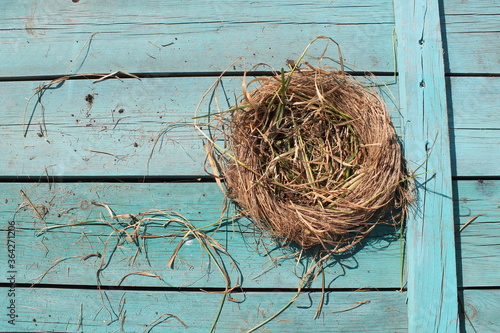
314	158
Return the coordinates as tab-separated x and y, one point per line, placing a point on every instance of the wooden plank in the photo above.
473	103
72	310
472	149
56	34
150	104
474	120
477	245
261	264
125	118
186	36
472	35
432	279
481	309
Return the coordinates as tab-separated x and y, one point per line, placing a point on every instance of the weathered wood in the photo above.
473	103
376	265
472	39
72	310
478	248
432	279
472	149
481	309
186	36
208	36
71	136
114	134
127	113
474	119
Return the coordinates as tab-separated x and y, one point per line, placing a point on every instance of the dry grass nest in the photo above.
312	156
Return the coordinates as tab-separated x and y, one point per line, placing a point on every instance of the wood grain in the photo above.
208	36
376	265
432	279
473	103
471	36
258	261
126	117
112	134
472	149
86	310
187	36
481	308
477	244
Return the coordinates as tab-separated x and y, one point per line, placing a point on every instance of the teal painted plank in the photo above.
477	245
474	119
125	119
376	265
55	34
482	309
473	103
72	310
472	149
432	279
472	35
74	128
198	36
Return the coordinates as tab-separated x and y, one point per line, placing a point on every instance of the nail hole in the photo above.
422	84
421	42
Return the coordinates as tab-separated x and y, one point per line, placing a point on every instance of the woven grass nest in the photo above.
312	157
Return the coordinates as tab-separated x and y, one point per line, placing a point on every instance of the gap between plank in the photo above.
193	289
167	75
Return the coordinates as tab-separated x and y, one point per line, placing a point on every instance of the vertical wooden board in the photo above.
432	281
73	310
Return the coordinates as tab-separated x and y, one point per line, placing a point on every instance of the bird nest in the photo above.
312	157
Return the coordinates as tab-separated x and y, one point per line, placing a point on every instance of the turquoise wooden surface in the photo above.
432	277
477	243
73	127
206	36
132	311
217	27
473	103
125	118
376	265
482	308
472	149
40	39
471	35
